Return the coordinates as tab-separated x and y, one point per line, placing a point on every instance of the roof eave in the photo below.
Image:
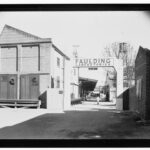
28	42
60	52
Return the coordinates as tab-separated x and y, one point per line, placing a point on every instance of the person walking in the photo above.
98	99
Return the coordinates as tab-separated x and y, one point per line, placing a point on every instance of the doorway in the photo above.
8	86
29	86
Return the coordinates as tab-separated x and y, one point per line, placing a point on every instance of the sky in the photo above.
91	31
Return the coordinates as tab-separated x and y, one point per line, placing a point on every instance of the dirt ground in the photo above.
86	121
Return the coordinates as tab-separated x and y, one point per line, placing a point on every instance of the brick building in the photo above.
142	80
31	68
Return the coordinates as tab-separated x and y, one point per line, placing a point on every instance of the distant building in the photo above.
110	84
31	68
86	85
142	78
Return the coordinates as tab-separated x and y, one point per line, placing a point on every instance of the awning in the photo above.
87	84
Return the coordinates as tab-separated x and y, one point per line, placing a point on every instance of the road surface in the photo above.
86	121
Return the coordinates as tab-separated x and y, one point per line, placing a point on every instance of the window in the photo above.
139	88
52	82
58	82
58	62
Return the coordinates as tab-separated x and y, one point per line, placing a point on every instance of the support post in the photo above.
118	64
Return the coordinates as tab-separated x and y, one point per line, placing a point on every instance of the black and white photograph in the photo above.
75	74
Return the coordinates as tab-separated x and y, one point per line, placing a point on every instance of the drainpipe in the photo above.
19	61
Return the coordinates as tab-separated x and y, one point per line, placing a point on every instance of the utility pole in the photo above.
75	55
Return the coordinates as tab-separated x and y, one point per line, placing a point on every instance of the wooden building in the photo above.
142	82
30	68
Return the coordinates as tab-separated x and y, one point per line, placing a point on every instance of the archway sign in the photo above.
104	62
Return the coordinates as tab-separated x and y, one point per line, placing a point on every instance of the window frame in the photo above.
58	62
139	83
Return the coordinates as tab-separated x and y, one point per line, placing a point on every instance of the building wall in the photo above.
35	58
57	70
74	91
57	92
147	82
140	72
8	59
133	99
25	60
29	62
45	49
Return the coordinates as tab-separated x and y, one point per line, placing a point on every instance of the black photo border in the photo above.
74	143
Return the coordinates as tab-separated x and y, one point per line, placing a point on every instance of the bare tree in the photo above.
112	50
125	52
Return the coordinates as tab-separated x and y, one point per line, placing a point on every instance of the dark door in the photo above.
24	87
12	86
3	86
34	86
29	86
8	86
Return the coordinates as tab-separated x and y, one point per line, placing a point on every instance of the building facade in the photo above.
142	82
31	68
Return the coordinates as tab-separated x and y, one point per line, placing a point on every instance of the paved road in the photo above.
87	121
93	106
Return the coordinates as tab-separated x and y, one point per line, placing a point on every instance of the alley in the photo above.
82	122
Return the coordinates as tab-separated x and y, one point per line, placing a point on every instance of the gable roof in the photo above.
10	35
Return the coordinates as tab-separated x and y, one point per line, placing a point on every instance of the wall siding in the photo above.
147	104
10	35
8	59
140	71
45	57
30	59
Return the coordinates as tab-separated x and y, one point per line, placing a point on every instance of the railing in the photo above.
22	103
